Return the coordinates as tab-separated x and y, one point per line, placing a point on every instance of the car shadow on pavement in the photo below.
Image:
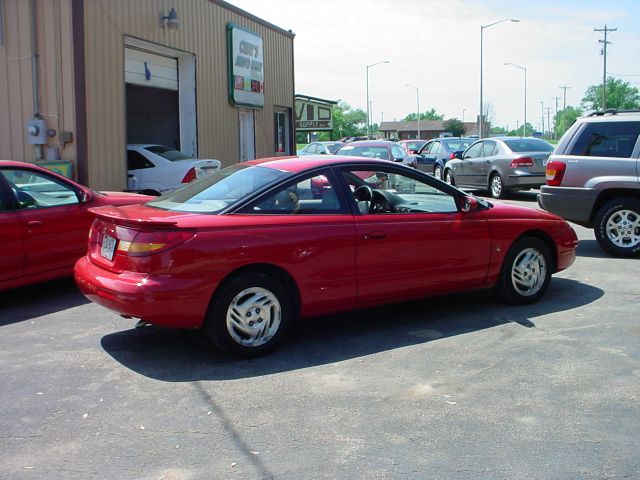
26	303
188	356
591	248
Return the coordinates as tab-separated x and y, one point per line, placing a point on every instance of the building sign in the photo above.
246	66
313	114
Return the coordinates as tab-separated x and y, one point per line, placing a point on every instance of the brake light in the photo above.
555	173
452	155
522	162
136	243
190	176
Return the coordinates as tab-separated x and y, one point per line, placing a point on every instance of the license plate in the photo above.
108	247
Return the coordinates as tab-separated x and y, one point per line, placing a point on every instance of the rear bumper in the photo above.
525	180
164	301
573	204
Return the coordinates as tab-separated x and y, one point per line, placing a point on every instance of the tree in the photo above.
565	119
428	115
454	126
620	95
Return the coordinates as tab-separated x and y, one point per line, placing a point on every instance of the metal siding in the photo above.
55	71
202	32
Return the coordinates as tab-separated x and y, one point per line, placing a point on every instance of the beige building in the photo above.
81	79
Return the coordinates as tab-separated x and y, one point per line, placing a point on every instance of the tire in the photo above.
617	227
249	315
448	177
496	186
526	272
437	172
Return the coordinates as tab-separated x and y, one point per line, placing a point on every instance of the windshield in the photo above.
333	147
168	153
221	189
529	145
368	152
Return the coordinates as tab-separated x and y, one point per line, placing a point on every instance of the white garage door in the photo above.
150	70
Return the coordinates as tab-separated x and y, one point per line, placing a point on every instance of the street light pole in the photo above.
482	27
542	106
418	100
368	108
463	110
524	125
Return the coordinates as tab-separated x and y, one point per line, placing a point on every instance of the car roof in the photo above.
38	168
371	143
297	164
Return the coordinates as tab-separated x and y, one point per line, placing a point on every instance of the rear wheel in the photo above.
496	186
437	172
617	227
526	272
249	315
448	177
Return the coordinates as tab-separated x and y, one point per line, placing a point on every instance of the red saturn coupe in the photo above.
44	222
248	250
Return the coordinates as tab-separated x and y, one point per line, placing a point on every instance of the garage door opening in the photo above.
153	116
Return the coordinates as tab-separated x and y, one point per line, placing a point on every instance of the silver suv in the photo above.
593	179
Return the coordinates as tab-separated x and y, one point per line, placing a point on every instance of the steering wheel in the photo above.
379	203
364	193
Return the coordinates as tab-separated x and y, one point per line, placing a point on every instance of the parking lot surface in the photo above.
458	387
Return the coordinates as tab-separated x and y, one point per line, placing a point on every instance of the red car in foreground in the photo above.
248	250
44	222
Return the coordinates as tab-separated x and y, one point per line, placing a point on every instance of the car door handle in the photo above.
34	223
376	235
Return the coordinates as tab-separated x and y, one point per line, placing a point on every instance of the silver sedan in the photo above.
500	164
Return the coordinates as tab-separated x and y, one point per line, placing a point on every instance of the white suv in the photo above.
593	179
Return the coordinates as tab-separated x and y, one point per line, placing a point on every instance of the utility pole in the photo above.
548	109
564	105
604	52
555	123
542	124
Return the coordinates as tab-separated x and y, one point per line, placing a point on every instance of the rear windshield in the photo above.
368	152
414	145
333	147
529	145
220	190
459	143
168	153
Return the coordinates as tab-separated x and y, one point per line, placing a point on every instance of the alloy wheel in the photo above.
623	228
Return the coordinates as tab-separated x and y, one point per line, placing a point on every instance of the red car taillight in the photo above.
141	243
190	176
452	155
522	162
555	173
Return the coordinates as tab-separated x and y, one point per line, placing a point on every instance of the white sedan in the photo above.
155	169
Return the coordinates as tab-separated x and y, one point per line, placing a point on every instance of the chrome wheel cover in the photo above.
623	229
529	272
253	317
448	177
438	172
496	185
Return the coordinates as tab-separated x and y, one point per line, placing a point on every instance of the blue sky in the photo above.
435	46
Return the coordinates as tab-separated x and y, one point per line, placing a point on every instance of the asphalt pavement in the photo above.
458	387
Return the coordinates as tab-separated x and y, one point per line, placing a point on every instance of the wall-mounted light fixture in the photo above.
170	21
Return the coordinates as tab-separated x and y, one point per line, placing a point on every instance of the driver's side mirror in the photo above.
469	204
84	196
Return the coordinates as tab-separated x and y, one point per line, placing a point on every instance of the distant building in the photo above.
428	129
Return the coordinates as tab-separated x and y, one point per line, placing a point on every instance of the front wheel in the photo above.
249	315
526	272
617	227
448	177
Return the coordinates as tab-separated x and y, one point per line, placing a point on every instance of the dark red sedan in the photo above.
248	250
44	222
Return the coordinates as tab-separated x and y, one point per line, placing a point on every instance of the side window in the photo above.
310	196
137	161
489	149
610	139
426	148
436	148
386	191
397	153
38	190
474	150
